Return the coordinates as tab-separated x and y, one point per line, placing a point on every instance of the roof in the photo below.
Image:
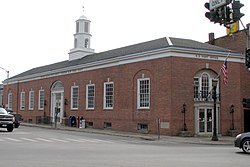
152	45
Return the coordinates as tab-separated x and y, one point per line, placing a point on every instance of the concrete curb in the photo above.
223	140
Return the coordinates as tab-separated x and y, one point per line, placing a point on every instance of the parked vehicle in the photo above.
18	118
6	120
242	141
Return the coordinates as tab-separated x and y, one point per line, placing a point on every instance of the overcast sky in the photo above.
34	33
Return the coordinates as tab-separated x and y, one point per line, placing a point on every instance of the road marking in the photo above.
88	140
75	140
104	141
16	140
45	140
27	139
64	141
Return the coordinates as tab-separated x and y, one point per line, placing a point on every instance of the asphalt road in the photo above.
36	147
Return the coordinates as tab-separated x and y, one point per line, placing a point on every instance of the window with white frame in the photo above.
22	100
31	100
74	97
90	96
108	95
86	27
204	85
196	87
143	93
77	27
9	101
41	100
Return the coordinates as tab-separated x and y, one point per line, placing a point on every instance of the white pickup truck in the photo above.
6	120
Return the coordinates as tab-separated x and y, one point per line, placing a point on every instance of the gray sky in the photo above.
39	32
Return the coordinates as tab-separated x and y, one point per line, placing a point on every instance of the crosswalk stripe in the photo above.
27	139
44	140
51	140
64	141
16	140
75	140
88	140
104	141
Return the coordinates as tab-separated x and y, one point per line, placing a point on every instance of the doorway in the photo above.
205	120
57	105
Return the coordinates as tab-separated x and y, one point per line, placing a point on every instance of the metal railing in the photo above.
205	97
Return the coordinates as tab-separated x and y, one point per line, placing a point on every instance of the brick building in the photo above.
136	88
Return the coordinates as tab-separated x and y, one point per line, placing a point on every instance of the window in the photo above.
22	100
9	101
90	96
77	27
89	124
143	93
196	87
108	95
74	97
107	125
142	127
86	27
31	100
86	45
41	100
204	85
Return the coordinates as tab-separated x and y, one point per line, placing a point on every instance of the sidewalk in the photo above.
223	140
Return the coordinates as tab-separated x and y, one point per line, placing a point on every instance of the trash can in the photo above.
82	123
73	121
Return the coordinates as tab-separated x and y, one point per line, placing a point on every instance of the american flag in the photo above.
225	72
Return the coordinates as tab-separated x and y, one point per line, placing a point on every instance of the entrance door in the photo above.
57	96
205	120
57	107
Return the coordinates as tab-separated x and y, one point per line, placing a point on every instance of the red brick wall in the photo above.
171	81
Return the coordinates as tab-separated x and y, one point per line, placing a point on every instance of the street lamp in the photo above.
232	112
7	83
214	84
184	117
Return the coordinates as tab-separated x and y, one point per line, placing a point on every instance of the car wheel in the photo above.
10	128
246	146
17	125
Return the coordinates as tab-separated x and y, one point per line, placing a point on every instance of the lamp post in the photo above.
7	84
232	112
214	84
184	117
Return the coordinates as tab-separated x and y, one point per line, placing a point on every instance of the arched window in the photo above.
86	44
58	86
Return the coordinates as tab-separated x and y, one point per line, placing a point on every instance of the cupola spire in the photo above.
82	39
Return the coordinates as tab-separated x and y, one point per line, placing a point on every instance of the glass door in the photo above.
205	120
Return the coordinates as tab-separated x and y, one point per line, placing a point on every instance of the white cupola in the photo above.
82	39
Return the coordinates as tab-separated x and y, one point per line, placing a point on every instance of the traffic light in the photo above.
247	58
221	14
212	15
236	5
246	102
